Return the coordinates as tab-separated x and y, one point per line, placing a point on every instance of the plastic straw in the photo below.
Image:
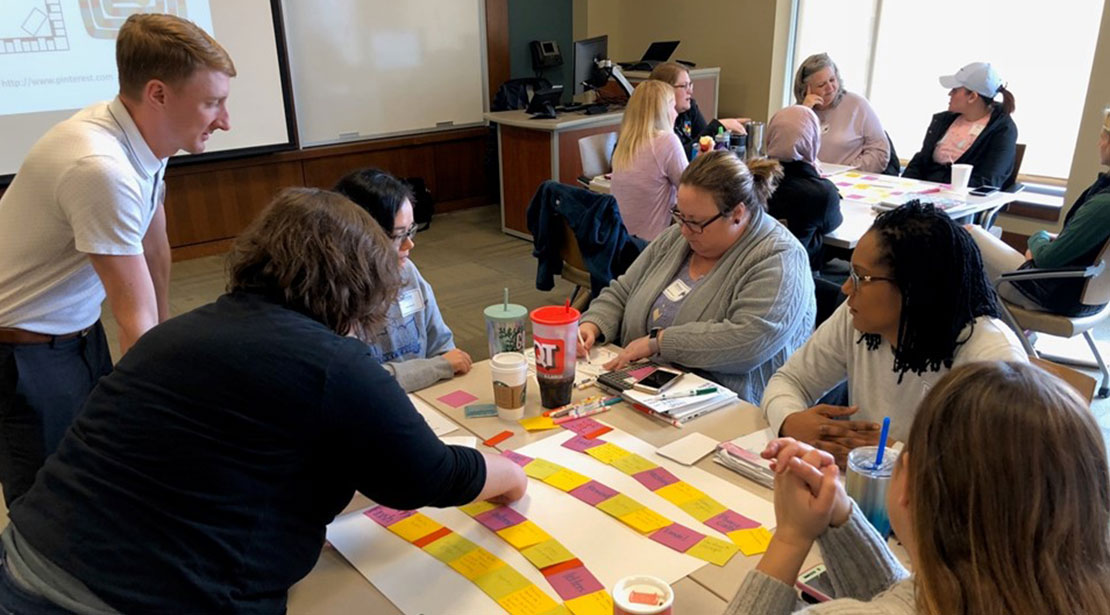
566	306
506	306
882	443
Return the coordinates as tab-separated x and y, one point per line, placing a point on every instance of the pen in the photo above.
575	406
585	383
655	415
578	414
582	340
690	393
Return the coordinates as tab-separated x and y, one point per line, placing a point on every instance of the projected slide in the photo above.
60	54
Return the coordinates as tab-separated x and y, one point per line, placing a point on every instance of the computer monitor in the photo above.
586	53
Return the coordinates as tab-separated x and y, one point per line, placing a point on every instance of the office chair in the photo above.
596	154
1011	185
574	268
1096	291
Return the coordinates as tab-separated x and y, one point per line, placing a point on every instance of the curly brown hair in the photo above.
318	253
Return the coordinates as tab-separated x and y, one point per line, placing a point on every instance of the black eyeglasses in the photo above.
695	227
409	233
857	279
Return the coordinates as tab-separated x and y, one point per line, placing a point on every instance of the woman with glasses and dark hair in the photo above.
725	292
414	344
918	305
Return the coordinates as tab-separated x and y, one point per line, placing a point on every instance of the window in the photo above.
892	52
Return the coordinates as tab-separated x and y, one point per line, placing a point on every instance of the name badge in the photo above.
411	301
975	130
676	291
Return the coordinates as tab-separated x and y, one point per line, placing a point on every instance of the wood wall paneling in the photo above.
497	44
525	156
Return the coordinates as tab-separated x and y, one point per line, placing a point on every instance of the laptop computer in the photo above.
657	53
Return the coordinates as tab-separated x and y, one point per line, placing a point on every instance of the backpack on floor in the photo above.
423	205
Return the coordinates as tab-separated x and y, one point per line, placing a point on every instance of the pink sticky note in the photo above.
593	493
570	584
641	372
655	478
581	426
457	398
678	537
386	516
730	521
517	458
581	444
499	518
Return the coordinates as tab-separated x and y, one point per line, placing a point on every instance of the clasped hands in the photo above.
809	498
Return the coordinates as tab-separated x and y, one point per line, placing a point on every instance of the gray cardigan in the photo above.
751	311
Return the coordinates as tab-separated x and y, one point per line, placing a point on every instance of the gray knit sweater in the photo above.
738	325
866	577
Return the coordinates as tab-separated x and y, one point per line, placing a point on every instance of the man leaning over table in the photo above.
83	220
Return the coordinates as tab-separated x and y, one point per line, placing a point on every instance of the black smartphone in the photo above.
984	190
814	584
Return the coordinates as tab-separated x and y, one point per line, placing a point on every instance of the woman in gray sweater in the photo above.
1001	497
725	292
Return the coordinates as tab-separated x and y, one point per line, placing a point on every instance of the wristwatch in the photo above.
653	340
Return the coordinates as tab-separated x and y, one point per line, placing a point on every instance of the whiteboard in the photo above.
372	68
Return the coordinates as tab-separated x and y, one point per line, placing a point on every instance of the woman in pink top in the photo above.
648	161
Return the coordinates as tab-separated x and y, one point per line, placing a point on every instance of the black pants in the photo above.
42	388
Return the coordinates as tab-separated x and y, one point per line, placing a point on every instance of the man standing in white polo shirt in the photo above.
84	220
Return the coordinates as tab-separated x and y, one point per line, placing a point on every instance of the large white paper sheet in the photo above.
439	423
418	583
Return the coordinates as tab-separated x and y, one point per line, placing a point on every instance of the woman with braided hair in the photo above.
918	304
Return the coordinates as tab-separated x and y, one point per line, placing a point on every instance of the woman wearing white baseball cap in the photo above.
974	130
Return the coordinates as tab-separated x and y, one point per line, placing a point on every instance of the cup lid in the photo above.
555	315
502	312
508	360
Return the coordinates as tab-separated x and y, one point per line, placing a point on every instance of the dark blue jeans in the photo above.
42	388
14	600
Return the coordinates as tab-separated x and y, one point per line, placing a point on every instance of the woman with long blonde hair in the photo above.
1001	497
648	160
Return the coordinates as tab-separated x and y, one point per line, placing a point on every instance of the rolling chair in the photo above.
596	154
1096	291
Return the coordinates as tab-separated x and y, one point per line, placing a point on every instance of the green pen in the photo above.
690	393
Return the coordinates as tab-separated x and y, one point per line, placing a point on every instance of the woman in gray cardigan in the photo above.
725	292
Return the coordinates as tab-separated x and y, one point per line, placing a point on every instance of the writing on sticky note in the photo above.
541	468
582	426
566	480
597	603
517	458
527	601
547	553
619	505
501	582
415	527
523	535
581	443
593	493
655	478
678	537
499	518
680	492
713	550
752	541
476	508
645	520
730	521
633	464
386	516
449	548
475	563
607	453
457	398
538	423
571	584
702	508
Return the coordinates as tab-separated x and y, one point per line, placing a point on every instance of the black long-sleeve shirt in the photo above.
202	472
810	205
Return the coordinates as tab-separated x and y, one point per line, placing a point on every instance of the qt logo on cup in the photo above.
549	355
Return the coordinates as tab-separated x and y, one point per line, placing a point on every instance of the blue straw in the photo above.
882	443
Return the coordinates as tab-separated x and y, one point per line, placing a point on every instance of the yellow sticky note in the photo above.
751	541
645	520
566	480
713	550
415	527
474	509
528	601
559	610
547	553
541	468
450	548
597	603
607	453
538	423
703	509
524	534
619	505
633	464
501	582
680	492
476	563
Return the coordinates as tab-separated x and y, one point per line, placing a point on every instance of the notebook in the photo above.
683	409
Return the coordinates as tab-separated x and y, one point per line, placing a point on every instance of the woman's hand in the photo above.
814	468
636	349
587	337
734	124
460	361
819	427
813	99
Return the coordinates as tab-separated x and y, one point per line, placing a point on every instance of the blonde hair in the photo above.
166	48
646	116
1010	495
731	182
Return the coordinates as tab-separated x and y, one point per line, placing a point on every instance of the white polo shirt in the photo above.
90	185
